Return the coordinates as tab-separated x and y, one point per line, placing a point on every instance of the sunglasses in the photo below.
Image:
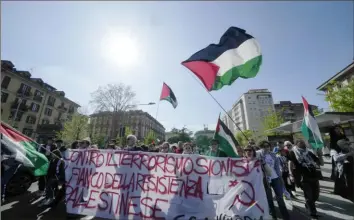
248	150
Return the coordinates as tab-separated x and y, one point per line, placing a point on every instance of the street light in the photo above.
150	103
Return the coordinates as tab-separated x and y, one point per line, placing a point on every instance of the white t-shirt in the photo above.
269	160
47	152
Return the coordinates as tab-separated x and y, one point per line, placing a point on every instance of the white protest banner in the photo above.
140	185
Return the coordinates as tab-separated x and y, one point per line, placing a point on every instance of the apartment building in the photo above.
32	106
292	111
139	121
249	110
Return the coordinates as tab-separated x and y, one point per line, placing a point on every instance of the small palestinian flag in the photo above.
168	95
238	54
227	141
23	149
309	127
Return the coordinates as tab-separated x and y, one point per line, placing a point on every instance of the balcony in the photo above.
62	108
38	98
21	107
24	94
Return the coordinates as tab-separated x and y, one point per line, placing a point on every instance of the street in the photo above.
329	206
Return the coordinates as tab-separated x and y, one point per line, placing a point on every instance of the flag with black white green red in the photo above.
23	149
168	95
309	127
237	55
227	141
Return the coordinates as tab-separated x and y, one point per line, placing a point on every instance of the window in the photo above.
35	107
38	96
5	82
23	102
18	115
51	101
48	112
24	89
4	97
71	109
45	121
27	131
31	119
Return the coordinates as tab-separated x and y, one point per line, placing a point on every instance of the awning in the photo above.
324	121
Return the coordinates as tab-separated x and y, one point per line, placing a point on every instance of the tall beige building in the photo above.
139	121
32	106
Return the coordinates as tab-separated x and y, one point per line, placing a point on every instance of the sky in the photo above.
303	44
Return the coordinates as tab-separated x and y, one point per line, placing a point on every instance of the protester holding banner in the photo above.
179	148
164	147
131	144
275	181
214	150
187	148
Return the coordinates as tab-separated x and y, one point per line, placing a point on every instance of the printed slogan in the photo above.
140	185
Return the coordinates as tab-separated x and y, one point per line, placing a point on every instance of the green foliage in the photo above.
316	112
341	99
150	137
74	129
123	140
203	142
272	120
242	139
183	135
99	140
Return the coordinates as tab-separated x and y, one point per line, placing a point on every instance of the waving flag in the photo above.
23	149
168	95
238	54
309	127
227	142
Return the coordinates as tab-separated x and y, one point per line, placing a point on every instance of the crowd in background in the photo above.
286	166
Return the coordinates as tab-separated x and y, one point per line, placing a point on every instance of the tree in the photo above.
272	120
122	140
98	139
183	135
242	139
114	98
150	137
203	142
341	99
75	129
316	112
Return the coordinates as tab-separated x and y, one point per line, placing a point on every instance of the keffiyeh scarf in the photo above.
303	157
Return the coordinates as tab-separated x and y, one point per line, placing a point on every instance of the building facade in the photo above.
291	111
139	121
343	77
32	106
249	110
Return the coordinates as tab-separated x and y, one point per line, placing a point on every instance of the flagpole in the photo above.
220	107
157	110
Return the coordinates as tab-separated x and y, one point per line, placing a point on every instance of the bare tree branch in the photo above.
113	98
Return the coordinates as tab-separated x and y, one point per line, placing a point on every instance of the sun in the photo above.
120	49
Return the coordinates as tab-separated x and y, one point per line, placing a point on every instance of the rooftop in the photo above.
7	65
340	74
130	112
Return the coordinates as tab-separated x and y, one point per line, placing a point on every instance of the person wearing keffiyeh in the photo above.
305	174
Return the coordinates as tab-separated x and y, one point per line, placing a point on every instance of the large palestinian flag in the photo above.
237	54
227	142
23	149
309	127
168	95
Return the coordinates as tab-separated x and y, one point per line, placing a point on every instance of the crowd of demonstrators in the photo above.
285	166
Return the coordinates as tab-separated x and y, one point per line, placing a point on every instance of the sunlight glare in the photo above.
120	49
